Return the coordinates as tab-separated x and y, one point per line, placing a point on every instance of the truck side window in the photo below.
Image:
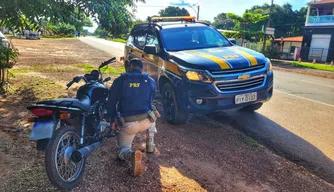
139	39
130	42
152	39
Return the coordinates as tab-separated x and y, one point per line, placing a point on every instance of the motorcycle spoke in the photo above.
68	172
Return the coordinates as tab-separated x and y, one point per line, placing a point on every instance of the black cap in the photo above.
136	62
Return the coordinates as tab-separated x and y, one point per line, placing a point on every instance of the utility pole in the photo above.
268	25
198	12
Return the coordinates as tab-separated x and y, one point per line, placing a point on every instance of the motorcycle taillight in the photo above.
40	112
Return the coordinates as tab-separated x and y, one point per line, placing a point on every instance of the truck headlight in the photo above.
270	66
198	76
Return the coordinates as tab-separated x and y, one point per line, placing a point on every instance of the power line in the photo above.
151	6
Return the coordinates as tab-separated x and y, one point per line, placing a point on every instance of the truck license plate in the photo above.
244	98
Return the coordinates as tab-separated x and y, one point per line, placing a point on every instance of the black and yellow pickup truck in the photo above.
197	69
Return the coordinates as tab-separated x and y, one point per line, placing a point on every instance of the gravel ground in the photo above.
202	155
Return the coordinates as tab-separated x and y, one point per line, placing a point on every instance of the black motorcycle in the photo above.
69	129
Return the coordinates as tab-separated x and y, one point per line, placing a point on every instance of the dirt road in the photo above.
203	155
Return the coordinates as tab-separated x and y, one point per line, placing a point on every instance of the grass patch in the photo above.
118	40
18	71
86	67
105	70
36	89
314	66
248	140
54	68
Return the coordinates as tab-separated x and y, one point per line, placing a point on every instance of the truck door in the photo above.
152	62
135	45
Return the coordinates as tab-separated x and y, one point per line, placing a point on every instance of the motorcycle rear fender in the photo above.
43	130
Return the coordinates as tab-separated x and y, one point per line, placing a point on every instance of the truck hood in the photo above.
217	59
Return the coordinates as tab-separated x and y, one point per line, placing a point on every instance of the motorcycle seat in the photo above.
83	103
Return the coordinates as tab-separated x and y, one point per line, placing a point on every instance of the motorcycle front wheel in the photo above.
61	170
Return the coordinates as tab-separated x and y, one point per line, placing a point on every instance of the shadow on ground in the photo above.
282	141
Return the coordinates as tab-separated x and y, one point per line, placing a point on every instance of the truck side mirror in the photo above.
150	49
233	41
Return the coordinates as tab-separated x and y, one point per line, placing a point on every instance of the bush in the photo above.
251	36
273	52
62	29
8	58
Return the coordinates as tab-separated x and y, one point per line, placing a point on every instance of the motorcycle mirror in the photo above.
107	79
76	79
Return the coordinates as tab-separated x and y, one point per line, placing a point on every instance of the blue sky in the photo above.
210	8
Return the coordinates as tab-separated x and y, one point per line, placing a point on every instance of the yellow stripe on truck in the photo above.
219	61
250	57
172	68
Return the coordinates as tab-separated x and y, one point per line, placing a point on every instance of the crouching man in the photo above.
130	107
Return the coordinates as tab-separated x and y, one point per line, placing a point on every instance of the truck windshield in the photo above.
188	38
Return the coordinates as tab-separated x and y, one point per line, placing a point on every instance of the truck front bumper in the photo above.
213	99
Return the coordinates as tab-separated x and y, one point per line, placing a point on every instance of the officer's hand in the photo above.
113	126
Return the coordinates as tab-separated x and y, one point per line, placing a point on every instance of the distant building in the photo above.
318	37
290	46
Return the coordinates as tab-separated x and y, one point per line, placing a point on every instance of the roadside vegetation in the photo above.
119	40
8	58
314	66
318	66
105	70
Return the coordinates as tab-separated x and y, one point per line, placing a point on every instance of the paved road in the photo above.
298	122
115	49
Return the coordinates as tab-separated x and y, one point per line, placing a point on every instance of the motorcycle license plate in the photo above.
245	98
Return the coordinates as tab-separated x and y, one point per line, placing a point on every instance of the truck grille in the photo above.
240	84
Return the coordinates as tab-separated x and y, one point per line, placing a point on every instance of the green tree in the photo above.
205	21
113	15
285	20
221	21
61	29
137	21
173	11
246	19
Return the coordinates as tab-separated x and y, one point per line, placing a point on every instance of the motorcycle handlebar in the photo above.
107	62
69	84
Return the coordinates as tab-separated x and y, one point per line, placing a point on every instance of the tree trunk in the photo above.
243	36
2	76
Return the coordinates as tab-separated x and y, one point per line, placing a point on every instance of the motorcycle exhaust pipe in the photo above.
82	153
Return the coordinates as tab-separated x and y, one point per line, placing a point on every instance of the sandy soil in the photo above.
202	155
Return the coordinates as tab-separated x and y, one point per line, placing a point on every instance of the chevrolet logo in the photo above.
244	76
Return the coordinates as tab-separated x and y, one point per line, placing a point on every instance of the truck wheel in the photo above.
253	107
61	170
172	112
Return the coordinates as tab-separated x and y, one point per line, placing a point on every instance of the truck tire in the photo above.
253	107
57	165
172	111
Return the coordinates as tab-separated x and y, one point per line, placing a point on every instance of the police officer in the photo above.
131	95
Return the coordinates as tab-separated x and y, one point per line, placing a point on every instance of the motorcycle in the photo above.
70	129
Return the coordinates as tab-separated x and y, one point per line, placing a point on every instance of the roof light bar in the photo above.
183	18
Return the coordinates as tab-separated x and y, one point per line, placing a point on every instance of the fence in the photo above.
321	55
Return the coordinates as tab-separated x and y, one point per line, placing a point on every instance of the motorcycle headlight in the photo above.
198	76
270	66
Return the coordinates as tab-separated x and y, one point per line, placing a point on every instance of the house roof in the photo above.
291	39
320	2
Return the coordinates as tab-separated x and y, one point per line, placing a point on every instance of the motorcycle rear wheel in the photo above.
61	170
